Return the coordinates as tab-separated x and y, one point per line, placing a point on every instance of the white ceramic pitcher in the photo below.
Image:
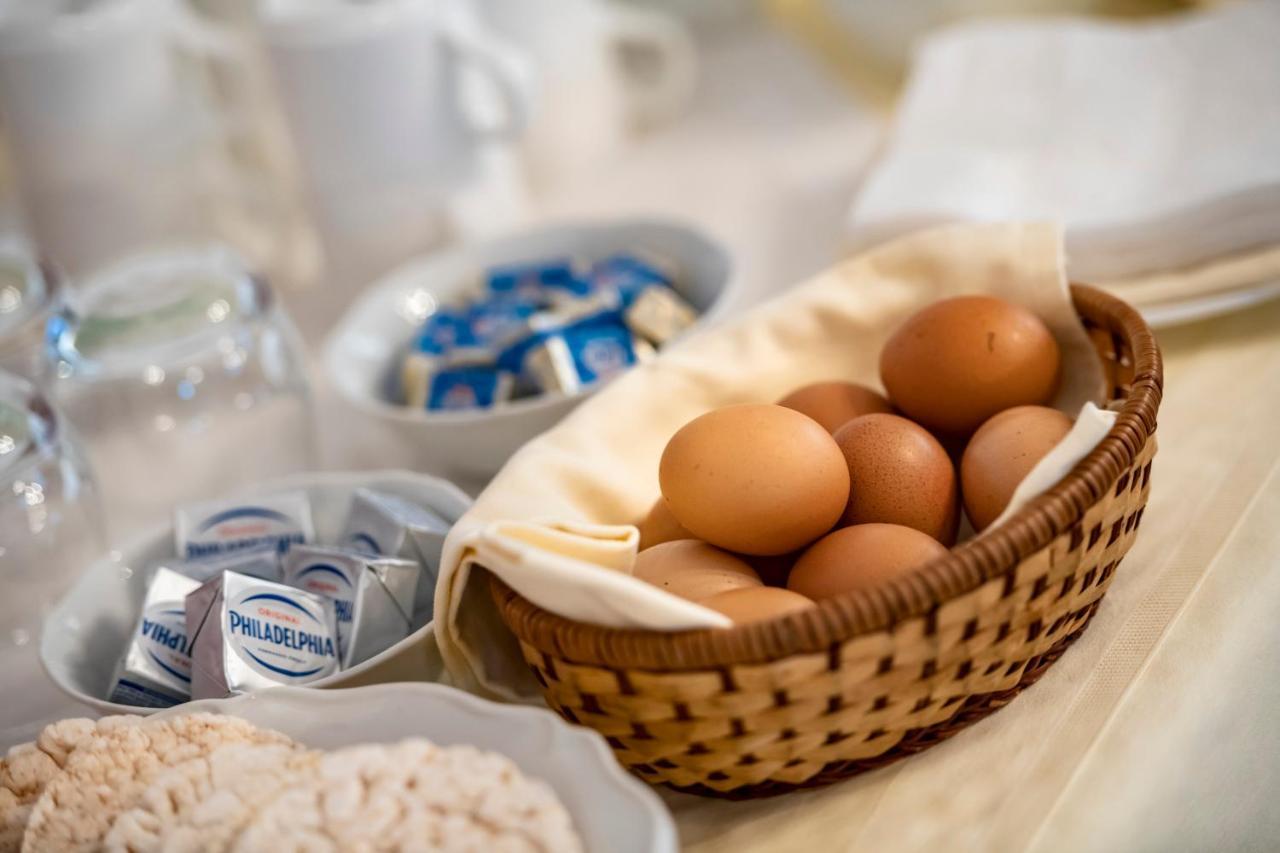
110	122
605	69
376	98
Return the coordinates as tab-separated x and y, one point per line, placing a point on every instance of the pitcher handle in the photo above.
497	62
660	98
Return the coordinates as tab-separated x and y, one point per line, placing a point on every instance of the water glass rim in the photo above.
143	283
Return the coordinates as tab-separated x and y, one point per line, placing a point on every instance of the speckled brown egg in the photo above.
692	569
754	479
954	364
660	526
1001	453
898	474
860	557
834	404
756	604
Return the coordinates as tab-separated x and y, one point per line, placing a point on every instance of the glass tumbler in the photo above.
184	379
27	292
50	530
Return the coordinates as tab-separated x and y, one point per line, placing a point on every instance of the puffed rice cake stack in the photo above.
206	782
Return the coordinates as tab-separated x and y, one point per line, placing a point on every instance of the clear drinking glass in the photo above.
27	292
185	380
50	530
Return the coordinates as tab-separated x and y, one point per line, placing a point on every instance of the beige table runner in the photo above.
1191	758
1033	773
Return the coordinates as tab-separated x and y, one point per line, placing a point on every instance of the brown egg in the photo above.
692	569
834	404
753	605
860	557
660	526
755	479
1001	453
957	362
898	474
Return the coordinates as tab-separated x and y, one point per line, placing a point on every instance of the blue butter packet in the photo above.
568	287
444	331
601	348
498	319
536	281
470	387
628	275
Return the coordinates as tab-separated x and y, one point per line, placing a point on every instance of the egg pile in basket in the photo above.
833	668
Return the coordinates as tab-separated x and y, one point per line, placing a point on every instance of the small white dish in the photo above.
85	635
1194	308
611	809
361	354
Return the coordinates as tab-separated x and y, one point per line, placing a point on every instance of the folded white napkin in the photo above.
1156	143
555	523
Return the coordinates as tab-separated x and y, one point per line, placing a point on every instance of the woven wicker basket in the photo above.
868	678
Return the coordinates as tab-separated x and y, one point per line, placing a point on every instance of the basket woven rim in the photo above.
962	569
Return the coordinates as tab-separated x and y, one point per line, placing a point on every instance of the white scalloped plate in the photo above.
612	810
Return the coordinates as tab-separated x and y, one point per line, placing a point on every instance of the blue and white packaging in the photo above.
248	634
628	274
601	350
262	561
465	379
444	331
479	386
535	281
495	320
372	596
587	352
386	525
155	671
215	528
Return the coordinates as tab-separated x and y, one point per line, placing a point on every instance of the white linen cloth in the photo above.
1156	143
555	523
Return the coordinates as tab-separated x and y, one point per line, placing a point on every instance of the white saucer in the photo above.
1163	315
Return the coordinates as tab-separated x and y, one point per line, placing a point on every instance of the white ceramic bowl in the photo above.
361	353
85	635
612	810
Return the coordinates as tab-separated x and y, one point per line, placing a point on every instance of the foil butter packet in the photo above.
261	561
383	524
155	671
216	528
248	634
372	596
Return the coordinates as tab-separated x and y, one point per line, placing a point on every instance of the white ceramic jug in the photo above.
110	123
376	99
604	68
